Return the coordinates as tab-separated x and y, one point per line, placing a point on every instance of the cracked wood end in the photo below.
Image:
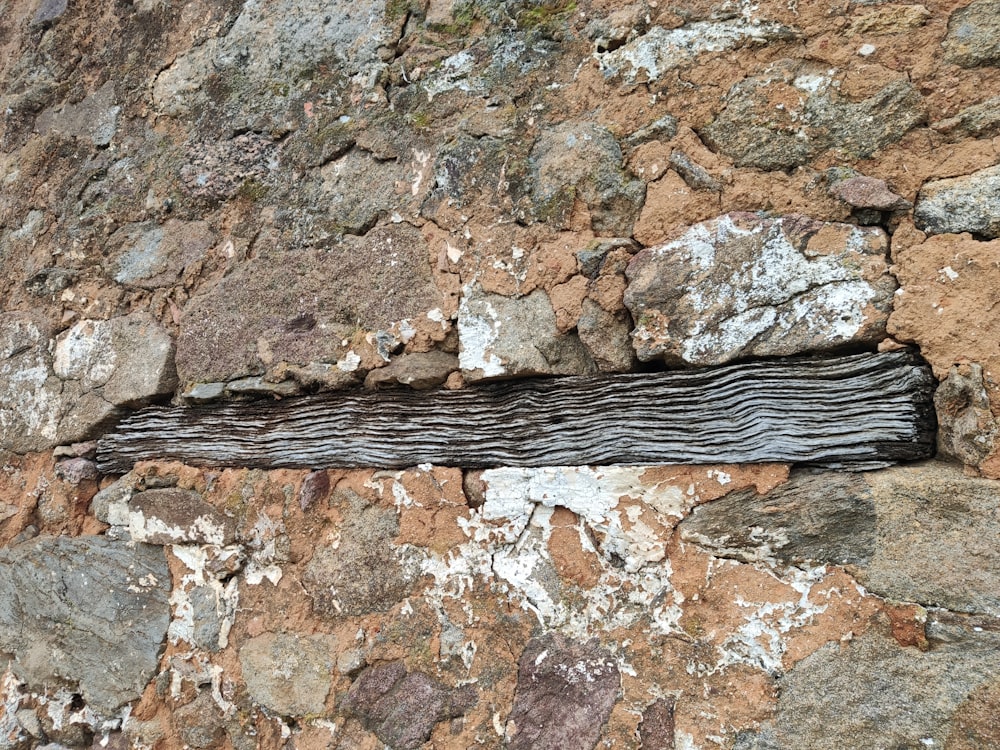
855	412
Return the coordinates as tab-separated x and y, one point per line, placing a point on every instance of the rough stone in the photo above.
315	487
868	192
565	693
87	613
361	573
656	731
95	118
741	285
288	673
817	118
421	370
30	405
974	35
607	337
292	36
289	308
176	516
873	693
967	429
961	204
972	122
403	707
48	11
200	723
503	337
582	161
815	517
659	50
925	533
154	256
938	538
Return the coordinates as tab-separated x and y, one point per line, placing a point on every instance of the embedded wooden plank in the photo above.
855	412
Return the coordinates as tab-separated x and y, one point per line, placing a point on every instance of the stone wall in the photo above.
220	200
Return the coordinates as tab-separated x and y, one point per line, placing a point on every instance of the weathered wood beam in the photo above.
851	412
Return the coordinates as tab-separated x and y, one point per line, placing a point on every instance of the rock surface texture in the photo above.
236	207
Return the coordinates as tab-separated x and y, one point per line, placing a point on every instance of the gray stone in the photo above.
565	693
873	693
694	175
421	370
205	392
661	129
30	394
87	613
402	707
961	204
868	192
94	118
967	429
974	35
362	573
925	533
176	516
976	121
206	616
110	505
591	258
659	50
288	673
77	470
154	256
218	170
755	134
583	161
815	517
607	337
938	538
260	386
741	286
130	359
200	723
503	337
48	11
291	36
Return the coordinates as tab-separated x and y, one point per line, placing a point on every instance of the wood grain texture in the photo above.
856	412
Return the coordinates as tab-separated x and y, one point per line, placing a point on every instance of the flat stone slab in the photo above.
743	286
856	411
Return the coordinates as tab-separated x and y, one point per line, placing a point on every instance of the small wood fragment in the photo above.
854	412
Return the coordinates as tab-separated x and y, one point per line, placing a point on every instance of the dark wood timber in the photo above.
851	412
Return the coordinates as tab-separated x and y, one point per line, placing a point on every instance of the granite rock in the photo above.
88	613
872	692
421	370
961	204
402	707
361	573
974	35
30	393
868	192
565	692
741	285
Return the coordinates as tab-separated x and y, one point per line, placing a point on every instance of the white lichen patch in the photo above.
86	353
760	640
478	330
745	289
660	49
508	547
200	561
151	529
